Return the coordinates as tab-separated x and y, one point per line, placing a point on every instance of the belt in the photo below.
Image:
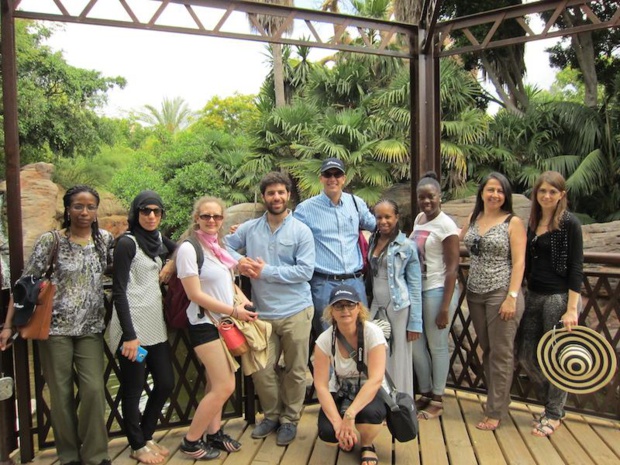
339	277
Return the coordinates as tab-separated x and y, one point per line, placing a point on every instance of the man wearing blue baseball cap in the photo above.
335	218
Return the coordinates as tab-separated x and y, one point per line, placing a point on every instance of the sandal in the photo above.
422	402
434	409
146	455
486	425
369	460
222	441
544	428
161	450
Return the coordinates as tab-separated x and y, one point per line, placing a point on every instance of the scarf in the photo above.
210	241
149	241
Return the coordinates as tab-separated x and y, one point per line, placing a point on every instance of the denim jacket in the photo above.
404	278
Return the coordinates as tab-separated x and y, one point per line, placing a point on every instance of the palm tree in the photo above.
173	116
272	24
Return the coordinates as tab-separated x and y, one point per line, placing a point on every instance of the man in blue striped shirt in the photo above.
279	261
335	218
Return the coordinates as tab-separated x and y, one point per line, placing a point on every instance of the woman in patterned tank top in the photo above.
496	242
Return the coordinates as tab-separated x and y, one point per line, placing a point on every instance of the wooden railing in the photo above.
601	298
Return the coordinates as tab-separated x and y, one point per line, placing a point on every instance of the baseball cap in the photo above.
332	163
344	292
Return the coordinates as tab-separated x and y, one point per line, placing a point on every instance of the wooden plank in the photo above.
324	454
460	450
44	457
300	449
540	449
250	447
432	446
608	431
568	447
269	453
591	443
484	443
512	445
383	445
172	441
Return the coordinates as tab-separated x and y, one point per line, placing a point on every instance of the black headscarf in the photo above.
149	241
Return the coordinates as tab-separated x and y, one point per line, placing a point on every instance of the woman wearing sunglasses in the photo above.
437	238
397	291
496	242
350	404
211	289
138	323
554	270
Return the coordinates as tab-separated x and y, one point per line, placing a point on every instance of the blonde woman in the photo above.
210	288
350	404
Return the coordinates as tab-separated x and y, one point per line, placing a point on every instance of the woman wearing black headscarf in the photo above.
138	322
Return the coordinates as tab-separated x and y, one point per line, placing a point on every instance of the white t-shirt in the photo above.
347	367
429	238
215	280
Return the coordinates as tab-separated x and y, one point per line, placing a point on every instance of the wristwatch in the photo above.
348	416
513	294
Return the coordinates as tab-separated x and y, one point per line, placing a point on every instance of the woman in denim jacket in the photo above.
396	283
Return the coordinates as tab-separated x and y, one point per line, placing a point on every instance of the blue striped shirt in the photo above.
336	231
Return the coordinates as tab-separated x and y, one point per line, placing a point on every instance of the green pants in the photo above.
80	434
282	398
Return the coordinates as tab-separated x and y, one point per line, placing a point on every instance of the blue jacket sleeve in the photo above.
413	275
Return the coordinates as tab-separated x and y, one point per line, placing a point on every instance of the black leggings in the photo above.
374	413
133	376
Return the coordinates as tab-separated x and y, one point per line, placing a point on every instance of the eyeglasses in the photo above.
333	174
342	306
534	248
78	207
475	246
146	211
206	217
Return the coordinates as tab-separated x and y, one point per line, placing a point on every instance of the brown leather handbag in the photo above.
38	325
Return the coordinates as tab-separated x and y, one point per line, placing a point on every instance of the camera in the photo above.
346	393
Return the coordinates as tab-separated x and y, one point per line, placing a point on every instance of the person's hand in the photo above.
250	267
413	336
6	338
508	309
442	320
243	314
167	271
233	228
129	349
346	434
570	319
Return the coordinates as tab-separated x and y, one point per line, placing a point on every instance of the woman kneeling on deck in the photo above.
349	398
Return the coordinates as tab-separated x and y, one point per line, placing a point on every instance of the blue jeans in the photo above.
321	289
431	357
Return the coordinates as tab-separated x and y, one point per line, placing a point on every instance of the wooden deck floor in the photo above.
450	441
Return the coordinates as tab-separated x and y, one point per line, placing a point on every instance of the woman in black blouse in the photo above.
139	322
554	271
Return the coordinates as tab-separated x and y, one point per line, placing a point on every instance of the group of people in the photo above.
307	273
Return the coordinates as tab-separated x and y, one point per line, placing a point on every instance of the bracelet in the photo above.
235	312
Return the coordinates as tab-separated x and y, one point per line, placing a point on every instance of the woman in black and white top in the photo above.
138	321
554	271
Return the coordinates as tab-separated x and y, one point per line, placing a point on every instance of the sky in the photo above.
160	65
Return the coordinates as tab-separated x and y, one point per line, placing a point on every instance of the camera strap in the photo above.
357	355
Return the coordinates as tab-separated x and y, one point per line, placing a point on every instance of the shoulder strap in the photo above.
507	220
52	259
355	203
200	255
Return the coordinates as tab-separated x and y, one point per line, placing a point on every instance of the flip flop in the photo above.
369	460
485	425
429	415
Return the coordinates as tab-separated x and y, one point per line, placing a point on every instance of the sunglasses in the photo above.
206	217
475	246
342	306
333	174
146	211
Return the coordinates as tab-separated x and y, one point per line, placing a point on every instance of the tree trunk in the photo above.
584	50
278	75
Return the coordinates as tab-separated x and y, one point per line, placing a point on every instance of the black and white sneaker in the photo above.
198	450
